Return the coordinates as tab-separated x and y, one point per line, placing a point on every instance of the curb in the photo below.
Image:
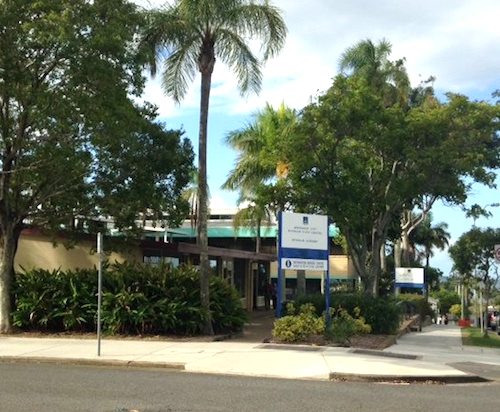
385	354
94	362
444	379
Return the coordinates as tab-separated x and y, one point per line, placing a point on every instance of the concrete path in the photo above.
426	355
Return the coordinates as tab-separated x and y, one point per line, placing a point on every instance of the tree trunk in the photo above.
375	267
258	238
397	253
405	249
359	257
301	282
206	78
9	240
383	260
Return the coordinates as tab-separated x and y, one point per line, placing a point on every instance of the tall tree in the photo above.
367	162
254	216
371	61
473	258
72	141
192	34
430	236
261	159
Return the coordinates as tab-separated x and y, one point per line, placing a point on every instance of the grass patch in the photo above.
473	337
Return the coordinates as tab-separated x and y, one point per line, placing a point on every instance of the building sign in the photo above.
410	277
299	231
303	245
304	264
303	238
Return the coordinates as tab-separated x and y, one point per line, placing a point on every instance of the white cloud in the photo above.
456	41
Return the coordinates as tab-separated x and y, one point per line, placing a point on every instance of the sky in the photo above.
456	41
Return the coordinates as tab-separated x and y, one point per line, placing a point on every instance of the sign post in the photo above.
99	292
302	245
497	253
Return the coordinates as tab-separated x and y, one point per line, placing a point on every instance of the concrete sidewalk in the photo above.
418	356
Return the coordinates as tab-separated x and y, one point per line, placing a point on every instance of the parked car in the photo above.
493	319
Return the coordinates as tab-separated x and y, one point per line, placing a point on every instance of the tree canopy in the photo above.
74	141
363	158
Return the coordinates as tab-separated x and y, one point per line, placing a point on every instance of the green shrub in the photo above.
456	311
382	314
225	305
446	299
137	299
300	327
54	300
420	304
316	299
343	326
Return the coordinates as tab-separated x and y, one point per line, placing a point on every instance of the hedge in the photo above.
137	299
382	314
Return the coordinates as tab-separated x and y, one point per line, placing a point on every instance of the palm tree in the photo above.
190	194
371	62
261	157
190	35
430	236
254	215
365	59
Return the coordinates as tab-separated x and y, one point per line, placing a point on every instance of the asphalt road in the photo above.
43	387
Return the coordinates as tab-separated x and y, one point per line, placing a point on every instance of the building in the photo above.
232	255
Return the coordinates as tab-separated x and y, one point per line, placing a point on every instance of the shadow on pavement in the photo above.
258	328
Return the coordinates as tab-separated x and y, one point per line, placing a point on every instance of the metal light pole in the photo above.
481	318
99	292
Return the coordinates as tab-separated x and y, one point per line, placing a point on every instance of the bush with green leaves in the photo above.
382	314
55	300
137	299
298	327
420	304
316	299
343	326
456	310
446	299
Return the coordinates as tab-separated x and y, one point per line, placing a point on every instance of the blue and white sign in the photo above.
409	277
303	245
304	237
304	264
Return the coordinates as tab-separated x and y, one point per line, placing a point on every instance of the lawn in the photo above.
473	337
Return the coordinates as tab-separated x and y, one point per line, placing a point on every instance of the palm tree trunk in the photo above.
258	238
206	79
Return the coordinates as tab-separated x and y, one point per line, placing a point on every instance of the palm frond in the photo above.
261	21
232	50
180	69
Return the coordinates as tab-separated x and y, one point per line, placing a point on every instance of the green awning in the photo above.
227	232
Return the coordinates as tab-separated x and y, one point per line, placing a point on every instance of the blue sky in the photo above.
457	41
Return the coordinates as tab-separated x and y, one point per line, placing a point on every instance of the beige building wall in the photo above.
38	251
